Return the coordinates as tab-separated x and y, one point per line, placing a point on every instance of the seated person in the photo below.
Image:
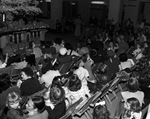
31	59
13	107
70	50
55	102
36	50
133	91
22	64
29	85
132	109
125	62
3	62
5	88
83	50
75	90
14	59
58	44
48	77
138	52
36	108
44	65
83	74
63	57
100	111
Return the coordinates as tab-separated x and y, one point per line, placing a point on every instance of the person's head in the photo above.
36	104
118	39
123	57
133	84
23	58
57	94
31	44
101	112
57	81
83	50
102	68
26	73
48	44
63	51
110	53
74	83
13	100
122	37
58	41
132	106
111	44
68	46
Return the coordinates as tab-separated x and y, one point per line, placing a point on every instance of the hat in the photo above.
84	50
63	51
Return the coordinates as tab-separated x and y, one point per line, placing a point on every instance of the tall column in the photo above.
56	9
132	10
84	9
115	10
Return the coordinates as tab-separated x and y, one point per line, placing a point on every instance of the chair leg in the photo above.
120	88
108	99
113	92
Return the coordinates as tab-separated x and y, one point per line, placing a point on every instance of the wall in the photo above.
56	10
131	10
84	10
146	12
115	10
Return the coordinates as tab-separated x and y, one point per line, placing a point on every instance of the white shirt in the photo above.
72	52
83	74
48	77
20	65
128	64
138	95
37	52
74	96
3	65
148	113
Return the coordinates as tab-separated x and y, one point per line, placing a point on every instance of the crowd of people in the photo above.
44	92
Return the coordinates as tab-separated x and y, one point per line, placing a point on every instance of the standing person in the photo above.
78	26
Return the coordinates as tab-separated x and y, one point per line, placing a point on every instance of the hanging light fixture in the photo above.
47	0
98	2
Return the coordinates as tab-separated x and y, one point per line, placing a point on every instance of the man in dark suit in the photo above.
112	63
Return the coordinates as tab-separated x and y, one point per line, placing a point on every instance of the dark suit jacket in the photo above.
64	59
30	86
112	66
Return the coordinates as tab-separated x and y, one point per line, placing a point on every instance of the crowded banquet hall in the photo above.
74	59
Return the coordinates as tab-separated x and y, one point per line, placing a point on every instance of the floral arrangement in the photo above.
19	7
